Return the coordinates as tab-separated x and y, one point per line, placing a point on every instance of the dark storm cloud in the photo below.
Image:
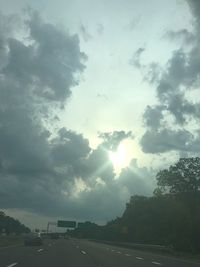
43	171
35	77
182	109
107	200
181	35
165	140
99	165
195	8
52	193
56	58
137	180
179	77
69	147
32	76
153	116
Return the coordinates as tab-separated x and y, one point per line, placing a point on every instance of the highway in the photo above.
83	253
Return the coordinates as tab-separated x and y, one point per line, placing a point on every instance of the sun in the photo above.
119	158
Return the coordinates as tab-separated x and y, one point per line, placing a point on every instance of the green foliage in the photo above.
170	217
161	220
8	225
182	177
86	230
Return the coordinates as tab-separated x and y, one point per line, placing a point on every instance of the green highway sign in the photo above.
66	224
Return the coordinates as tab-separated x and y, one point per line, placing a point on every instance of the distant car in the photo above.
33	239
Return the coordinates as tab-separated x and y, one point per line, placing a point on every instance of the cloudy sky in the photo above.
95	98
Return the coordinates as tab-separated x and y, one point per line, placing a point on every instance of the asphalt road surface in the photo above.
82	253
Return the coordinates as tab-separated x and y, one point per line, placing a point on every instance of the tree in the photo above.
171	217
182	182
183	177
11	225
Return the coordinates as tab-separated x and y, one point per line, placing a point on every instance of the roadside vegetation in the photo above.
11	230
170	217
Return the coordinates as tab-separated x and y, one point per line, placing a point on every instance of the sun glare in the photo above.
119	158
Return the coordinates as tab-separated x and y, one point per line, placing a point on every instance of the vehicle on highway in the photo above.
32	239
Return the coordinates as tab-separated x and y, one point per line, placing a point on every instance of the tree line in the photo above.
171	216
9	225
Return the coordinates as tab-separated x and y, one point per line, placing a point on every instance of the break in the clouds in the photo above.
113	139
172	124
73	91
46	170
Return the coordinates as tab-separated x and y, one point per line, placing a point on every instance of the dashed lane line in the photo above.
83	252
12	264
156	263
138	258
128	255
119	252
39	250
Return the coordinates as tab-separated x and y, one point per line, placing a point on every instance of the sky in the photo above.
95	98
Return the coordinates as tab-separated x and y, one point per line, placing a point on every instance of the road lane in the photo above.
136	256
83	253
108	256
15	254
61	253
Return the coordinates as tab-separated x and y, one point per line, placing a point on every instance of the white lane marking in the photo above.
39	250
112	250
119	252
157	263
138	258
83	252
12	264
128	255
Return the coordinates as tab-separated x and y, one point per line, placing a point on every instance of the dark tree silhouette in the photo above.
9	225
